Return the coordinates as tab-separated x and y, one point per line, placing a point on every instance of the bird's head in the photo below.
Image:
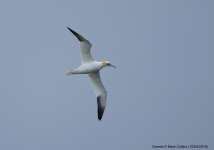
107	64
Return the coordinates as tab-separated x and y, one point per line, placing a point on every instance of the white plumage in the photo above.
92	67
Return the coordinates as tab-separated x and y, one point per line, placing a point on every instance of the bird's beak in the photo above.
112	66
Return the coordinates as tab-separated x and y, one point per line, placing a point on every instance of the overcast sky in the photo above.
161	93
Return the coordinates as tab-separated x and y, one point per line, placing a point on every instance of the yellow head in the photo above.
107	64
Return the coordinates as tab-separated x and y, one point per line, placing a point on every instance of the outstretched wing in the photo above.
100	92
85	48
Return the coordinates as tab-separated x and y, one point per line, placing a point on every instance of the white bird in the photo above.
92	67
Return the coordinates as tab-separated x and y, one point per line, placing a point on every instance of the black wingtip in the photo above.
100	109
69	28
100	115
75	33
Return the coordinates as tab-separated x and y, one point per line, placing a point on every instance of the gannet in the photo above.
92	67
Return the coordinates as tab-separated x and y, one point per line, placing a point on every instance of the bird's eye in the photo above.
108	63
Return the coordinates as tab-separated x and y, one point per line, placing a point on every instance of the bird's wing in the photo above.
100	92
85	48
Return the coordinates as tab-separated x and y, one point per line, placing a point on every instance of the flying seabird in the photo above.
92	67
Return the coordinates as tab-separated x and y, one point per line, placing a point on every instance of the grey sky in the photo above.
161	93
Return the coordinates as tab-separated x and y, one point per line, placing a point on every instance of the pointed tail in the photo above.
70	73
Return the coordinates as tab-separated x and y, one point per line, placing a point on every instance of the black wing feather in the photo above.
100	109
80	37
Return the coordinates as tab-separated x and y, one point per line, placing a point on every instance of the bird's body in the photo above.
92	67
88	68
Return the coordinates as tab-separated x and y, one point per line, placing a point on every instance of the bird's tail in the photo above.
70	73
